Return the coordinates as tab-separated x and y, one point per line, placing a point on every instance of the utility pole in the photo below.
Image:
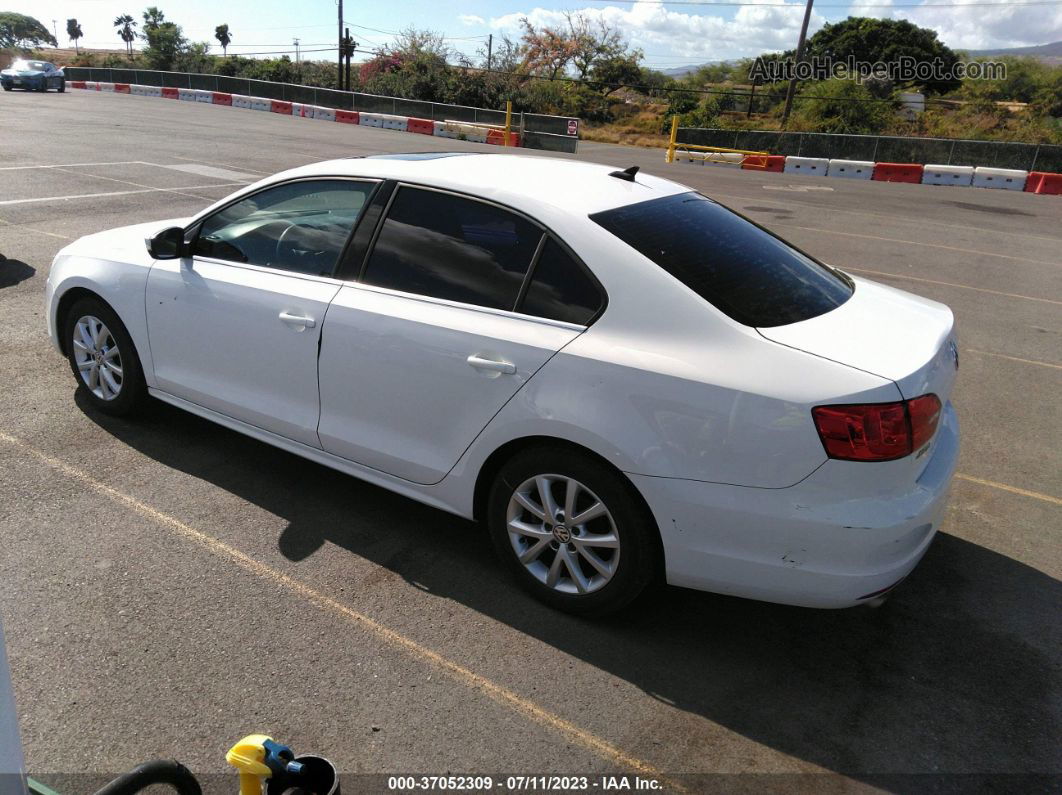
339	59
799	58
298	61
55	30
348	49
490	49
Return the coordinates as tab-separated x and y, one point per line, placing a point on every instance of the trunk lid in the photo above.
888	332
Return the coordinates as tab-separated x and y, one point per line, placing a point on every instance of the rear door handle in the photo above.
297	320
494	365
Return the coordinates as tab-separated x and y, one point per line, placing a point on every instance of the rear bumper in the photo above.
816	544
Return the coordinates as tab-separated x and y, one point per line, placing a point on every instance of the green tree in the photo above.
19	30
153	18
842	106
165	44
73	30
221	33
618	71
885	40
125	24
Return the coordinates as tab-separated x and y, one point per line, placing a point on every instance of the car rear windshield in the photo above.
741	269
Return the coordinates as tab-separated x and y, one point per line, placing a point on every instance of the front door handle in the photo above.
303	321
494	365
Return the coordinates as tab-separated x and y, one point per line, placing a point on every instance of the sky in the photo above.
669	33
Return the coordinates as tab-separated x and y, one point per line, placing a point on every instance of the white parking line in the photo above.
9	202
75	165
212	171
140	184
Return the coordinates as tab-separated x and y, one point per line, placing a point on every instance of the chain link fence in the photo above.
539	131
883	148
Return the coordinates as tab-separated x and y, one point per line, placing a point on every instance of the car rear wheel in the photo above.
103	358
62	86
572	530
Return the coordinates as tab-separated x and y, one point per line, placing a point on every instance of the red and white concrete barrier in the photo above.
816	166
1002	178
850	169
933	174
447	129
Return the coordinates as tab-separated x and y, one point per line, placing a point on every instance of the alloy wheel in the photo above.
99	362
563	534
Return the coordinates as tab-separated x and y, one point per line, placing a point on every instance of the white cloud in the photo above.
972	27
680	38
471	19
677	38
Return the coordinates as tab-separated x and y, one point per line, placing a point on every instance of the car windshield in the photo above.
28	66
740	268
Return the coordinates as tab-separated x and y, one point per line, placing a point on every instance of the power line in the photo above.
856	4
399	33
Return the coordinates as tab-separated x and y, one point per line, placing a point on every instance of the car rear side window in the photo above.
560	288
744	271
446	246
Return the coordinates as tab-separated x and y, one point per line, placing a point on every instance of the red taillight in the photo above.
925	413
877	431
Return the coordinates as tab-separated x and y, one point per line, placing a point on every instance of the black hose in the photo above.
159	771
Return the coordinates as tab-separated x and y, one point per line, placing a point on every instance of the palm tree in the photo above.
221	33
73	30
125	25
153	18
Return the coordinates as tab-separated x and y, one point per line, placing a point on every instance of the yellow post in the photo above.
508	120
670	158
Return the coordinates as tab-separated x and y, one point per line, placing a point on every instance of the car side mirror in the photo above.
167	244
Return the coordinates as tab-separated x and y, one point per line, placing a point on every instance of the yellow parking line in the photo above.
950	284
1036	495
489	688
919	243
1015	358
891	217
36	231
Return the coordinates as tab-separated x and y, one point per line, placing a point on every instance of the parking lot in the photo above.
167	586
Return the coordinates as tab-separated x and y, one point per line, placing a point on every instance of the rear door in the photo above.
421	353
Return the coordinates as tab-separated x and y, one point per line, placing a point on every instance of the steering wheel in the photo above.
298	243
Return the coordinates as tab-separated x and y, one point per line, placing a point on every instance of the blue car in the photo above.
33	76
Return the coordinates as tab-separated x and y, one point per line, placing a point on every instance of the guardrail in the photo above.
538	131
882	148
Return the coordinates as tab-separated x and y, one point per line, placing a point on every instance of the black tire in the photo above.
8	88
62	86
638	552
132	395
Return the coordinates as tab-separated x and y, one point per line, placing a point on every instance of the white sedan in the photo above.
623	379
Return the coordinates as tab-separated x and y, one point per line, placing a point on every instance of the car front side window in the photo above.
299	226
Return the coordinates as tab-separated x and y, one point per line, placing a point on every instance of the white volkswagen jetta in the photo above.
622	378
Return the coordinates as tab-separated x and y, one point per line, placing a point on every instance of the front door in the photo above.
235	327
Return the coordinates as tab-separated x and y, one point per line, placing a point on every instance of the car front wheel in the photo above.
572	530
103	358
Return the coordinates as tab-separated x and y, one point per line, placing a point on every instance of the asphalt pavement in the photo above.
167	586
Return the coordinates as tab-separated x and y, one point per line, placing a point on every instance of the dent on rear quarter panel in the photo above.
739	413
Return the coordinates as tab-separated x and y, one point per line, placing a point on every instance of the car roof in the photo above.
521	181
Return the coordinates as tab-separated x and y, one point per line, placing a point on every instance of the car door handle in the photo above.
494	365
297	320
